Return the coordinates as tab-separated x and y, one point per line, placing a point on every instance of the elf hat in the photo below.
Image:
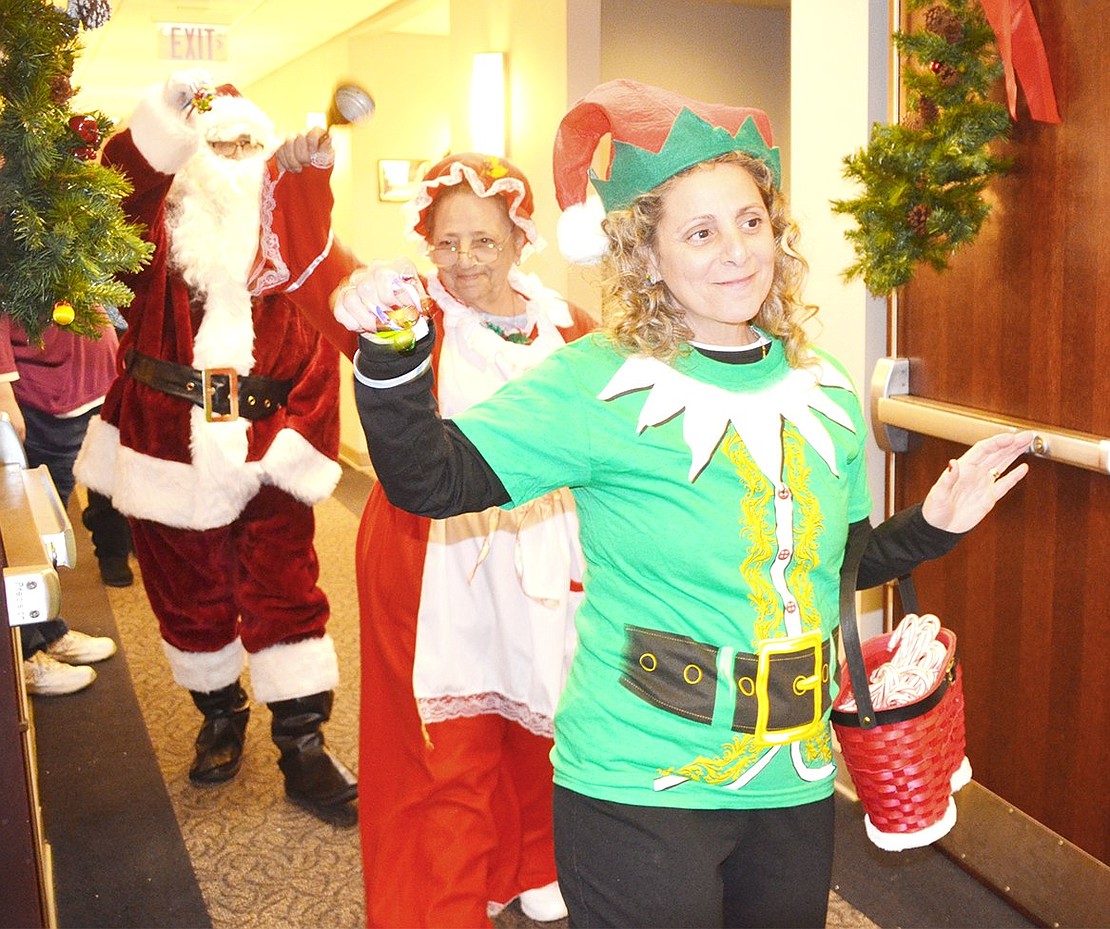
230	115
487	176
654	134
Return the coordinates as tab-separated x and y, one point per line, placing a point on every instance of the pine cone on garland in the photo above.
913	121
60	89
918	218
946	74
943	22
928	109
92	14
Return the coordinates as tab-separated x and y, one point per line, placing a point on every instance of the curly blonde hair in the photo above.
643	317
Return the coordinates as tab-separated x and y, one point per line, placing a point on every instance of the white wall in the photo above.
838	87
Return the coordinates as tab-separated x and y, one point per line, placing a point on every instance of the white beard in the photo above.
213	218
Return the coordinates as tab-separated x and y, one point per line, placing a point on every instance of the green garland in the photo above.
63	234
923	178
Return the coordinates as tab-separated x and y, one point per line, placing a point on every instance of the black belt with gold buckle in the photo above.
221	392
782	690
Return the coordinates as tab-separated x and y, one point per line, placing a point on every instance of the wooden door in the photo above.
1019	326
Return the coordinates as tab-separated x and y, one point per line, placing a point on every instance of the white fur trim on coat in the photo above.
161	134
297	669
209	493
206	671
293	464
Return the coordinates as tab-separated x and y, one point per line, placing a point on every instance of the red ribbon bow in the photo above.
1023	54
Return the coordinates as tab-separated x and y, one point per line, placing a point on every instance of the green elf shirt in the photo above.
714	501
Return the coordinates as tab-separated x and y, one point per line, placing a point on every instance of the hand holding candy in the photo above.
385	301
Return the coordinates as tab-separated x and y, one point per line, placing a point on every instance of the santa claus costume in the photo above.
467	633
221	430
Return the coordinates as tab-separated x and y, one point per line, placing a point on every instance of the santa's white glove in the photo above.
386	302
183	87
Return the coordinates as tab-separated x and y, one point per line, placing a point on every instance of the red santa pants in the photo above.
254	579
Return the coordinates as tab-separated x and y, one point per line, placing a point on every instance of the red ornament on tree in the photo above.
86	127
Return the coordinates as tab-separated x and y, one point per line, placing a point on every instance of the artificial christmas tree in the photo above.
63	236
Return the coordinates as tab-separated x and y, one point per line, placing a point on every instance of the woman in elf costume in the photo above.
468	622
717	462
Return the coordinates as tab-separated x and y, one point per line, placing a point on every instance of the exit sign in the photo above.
192	42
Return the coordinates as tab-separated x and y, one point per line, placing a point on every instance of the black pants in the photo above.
111	533
635	866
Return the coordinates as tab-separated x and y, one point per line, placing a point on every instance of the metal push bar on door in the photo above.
899	419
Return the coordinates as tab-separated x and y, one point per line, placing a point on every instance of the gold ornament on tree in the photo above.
63	313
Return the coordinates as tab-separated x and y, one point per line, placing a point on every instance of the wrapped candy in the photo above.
397	321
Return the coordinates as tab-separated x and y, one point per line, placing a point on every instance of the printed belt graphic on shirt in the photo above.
781	691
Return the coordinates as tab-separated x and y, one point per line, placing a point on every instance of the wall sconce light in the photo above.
487	104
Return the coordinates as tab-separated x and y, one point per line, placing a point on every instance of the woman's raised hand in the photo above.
973	483
384	297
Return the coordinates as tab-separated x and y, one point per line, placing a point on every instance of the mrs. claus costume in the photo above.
220	499
467	633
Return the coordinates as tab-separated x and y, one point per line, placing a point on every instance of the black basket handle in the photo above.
866	714
849	630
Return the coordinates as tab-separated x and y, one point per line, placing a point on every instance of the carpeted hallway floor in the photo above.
136	845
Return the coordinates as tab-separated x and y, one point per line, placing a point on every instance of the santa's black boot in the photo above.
314	777
220	740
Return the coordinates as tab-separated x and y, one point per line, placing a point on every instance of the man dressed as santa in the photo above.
221	430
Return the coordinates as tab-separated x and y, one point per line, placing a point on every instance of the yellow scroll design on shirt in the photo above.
757	527
817	752
735	758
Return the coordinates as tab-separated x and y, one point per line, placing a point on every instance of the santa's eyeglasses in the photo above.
235	148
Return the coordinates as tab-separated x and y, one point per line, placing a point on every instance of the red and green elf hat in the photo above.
654	134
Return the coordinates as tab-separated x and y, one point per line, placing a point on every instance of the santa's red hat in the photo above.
655	134
487	176
229	116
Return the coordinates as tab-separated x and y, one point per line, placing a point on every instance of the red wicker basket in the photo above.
906	765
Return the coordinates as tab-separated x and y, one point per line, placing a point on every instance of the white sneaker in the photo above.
48	677
544	904
77	648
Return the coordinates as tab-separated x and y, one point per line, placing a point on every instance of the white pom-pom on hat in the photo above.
579	233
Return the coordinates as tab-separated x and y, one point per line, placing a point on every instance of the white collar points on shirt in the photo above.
756	414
